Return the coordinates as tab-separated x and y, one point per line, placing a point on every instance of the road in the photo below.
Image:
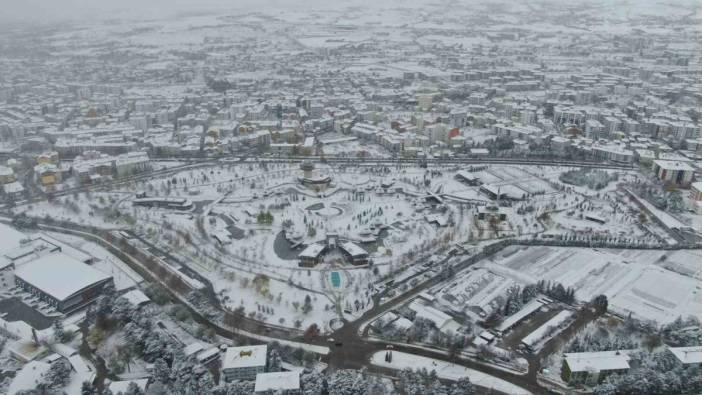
370	161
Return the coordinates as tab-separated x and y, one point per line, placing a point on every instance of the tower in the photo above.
307	168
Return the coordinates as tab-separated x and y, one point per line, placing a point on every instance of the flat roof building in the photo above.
676	172
244	363
287	383
62	281
593	367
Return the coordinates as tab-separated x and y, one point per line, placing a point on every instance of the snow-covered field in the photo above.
652	285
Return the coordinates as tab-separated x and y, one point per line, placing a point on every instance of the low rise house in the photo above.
594	367
687	356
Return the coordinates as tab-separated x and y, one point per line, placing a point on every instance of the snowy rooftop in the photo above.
242	357
439	318
59	275
29	377
136	297
597	361
192	349
687	355
542	331
673	165
528	309
206	355
277	381
312	250
121	386
353	249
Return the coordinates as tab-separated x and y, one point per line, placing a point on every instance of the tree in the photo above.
219	86
311	332
462	387
600	304
307	306
348	382
133	389
274	361
87	389
161	371
313	384
59	332
58	375
157	388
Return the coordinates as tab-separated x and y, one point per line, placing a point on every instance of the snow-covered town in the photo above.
326	198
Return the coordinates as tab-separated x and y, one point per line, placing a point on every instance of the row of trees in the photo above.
421	382
264	217
659	374
593	179
668	200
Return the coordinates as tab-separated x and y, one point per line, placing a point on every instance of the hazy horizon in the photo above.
48	11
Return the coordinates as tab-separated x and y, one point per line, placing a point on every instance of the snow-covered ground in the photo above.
652	285
446	370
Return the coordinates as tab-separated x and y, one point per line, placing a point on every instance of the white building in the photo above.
131	163
593	367
687	356
444	322
287	383
244	363
62	281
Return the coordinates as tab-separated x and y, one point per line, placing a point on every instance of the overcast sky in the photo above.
54	10
24	11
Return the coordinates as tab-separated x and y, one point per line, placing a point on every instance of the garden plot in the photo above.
661	295
685	262
635	281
